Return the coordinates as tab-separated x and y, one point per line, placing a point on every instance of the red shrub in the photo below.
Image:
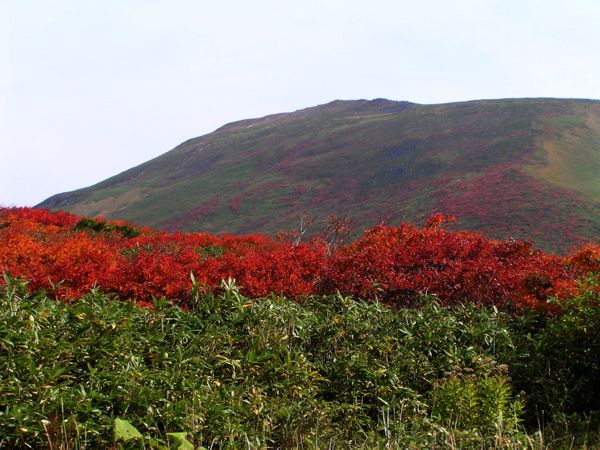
390	264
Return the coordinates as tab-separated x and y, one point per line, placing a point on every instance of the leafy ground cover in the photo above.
330	372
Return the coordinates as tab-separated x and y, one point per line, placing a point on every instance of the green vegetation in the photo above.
323	372
210	251
100	226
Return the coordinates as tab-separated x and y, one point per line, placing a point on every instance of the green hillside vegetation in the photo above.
327	372
522	168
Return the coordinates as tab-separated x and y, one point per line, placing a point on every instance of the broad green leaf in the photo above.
181	441
126	432
157	444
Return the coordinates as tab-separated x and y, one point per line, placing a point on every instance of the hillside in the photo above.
522	168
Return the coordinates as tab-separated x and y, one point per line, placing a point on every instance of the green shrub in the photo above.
99	226
479	400
557	364
210	251
234	372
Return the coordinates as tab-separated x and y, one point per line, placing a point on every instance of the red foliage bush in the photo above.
586	259
389	264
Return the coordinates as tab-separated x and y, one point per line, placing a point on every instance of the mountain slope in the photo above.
523	168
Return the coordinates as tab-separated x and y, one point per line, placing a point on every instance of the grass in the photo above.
326	372
571	155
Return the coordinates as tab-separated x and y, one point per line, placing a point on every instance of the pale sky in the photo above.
91	88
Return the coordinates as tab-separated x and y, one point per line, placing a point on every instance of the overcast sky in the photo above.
91	88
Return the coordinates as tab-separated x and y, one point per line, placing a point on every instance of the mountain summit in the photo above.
522	168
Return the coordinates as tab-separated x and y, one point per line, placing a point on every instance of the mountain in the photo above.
522	168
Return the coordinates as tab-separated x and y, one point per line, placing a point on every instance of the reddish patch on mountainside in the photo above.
235	203
183	220
301	189
290	158
340	193
507	202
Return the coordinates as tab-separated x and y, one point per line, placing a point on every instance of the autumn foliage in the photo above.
67	255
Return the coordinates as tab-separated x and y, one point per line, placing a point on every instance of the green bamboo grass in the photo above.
322	373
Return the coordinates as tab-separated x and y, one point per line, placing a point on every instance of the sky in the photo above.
91	88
